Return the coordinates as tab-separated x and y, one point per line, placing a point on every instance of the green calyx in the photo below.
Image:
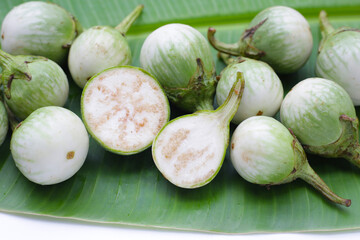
242	48
303	170
198	94
346	146
13	70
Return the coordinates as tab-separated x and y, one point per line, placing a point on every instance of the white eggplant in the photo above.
264	152
339	57
124	108
99	48
40	29
279	36
50	145
189	150
180	59
263	93
32	82
321	115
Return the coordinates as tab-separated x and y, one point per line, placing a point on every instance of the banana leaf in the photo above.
129	190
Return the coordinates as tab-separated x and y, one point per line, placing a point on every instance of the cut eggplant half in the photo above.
124	108
189	150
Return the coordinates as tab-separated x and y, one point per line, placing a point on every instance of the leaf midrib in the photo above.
311	14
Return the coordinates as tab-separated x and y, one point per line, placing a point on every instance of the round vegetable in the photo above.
32	82
180	58
339	57
39	28
124	108
263	93
278	35
321	115
100	47
50	145
189	150
4	123
264	152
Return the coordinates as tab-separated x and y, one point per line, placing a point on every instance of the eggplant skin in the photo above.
285	37
339	60
48	86
96	49
40	29
4	124
180	58
50	146
312	110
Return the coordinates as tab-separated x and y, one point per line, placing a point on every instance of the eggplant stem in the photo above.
232	49
309	176
228	109
325	27
125	24
227	59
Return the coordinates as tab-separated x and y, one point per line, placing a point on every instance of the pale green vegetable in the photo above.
278	35
32	82
322	116
39	28
339	57
133	189
264	152
124	108
180	59
263	93
50	146
189	150
100	47
4	122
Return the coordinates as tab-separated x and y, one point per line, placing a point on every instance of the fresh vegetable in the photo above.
180	59
263	93
264	152
338	58
39	28
100	47
278	35
124	108
189	150
31	82
321	115
4	123
50	145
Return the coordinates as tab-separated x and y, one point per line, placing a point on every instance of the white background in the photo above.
16	226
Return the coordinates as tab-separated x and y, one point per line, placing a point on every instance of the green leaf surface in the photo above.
130	190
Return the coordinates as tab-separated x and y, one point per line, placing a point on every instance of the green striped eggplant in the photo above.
263	93
278	35
180	58
339	57
4	123
39	28
31	82
124	108
50	146
189	150
321	115
264	152
100	47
